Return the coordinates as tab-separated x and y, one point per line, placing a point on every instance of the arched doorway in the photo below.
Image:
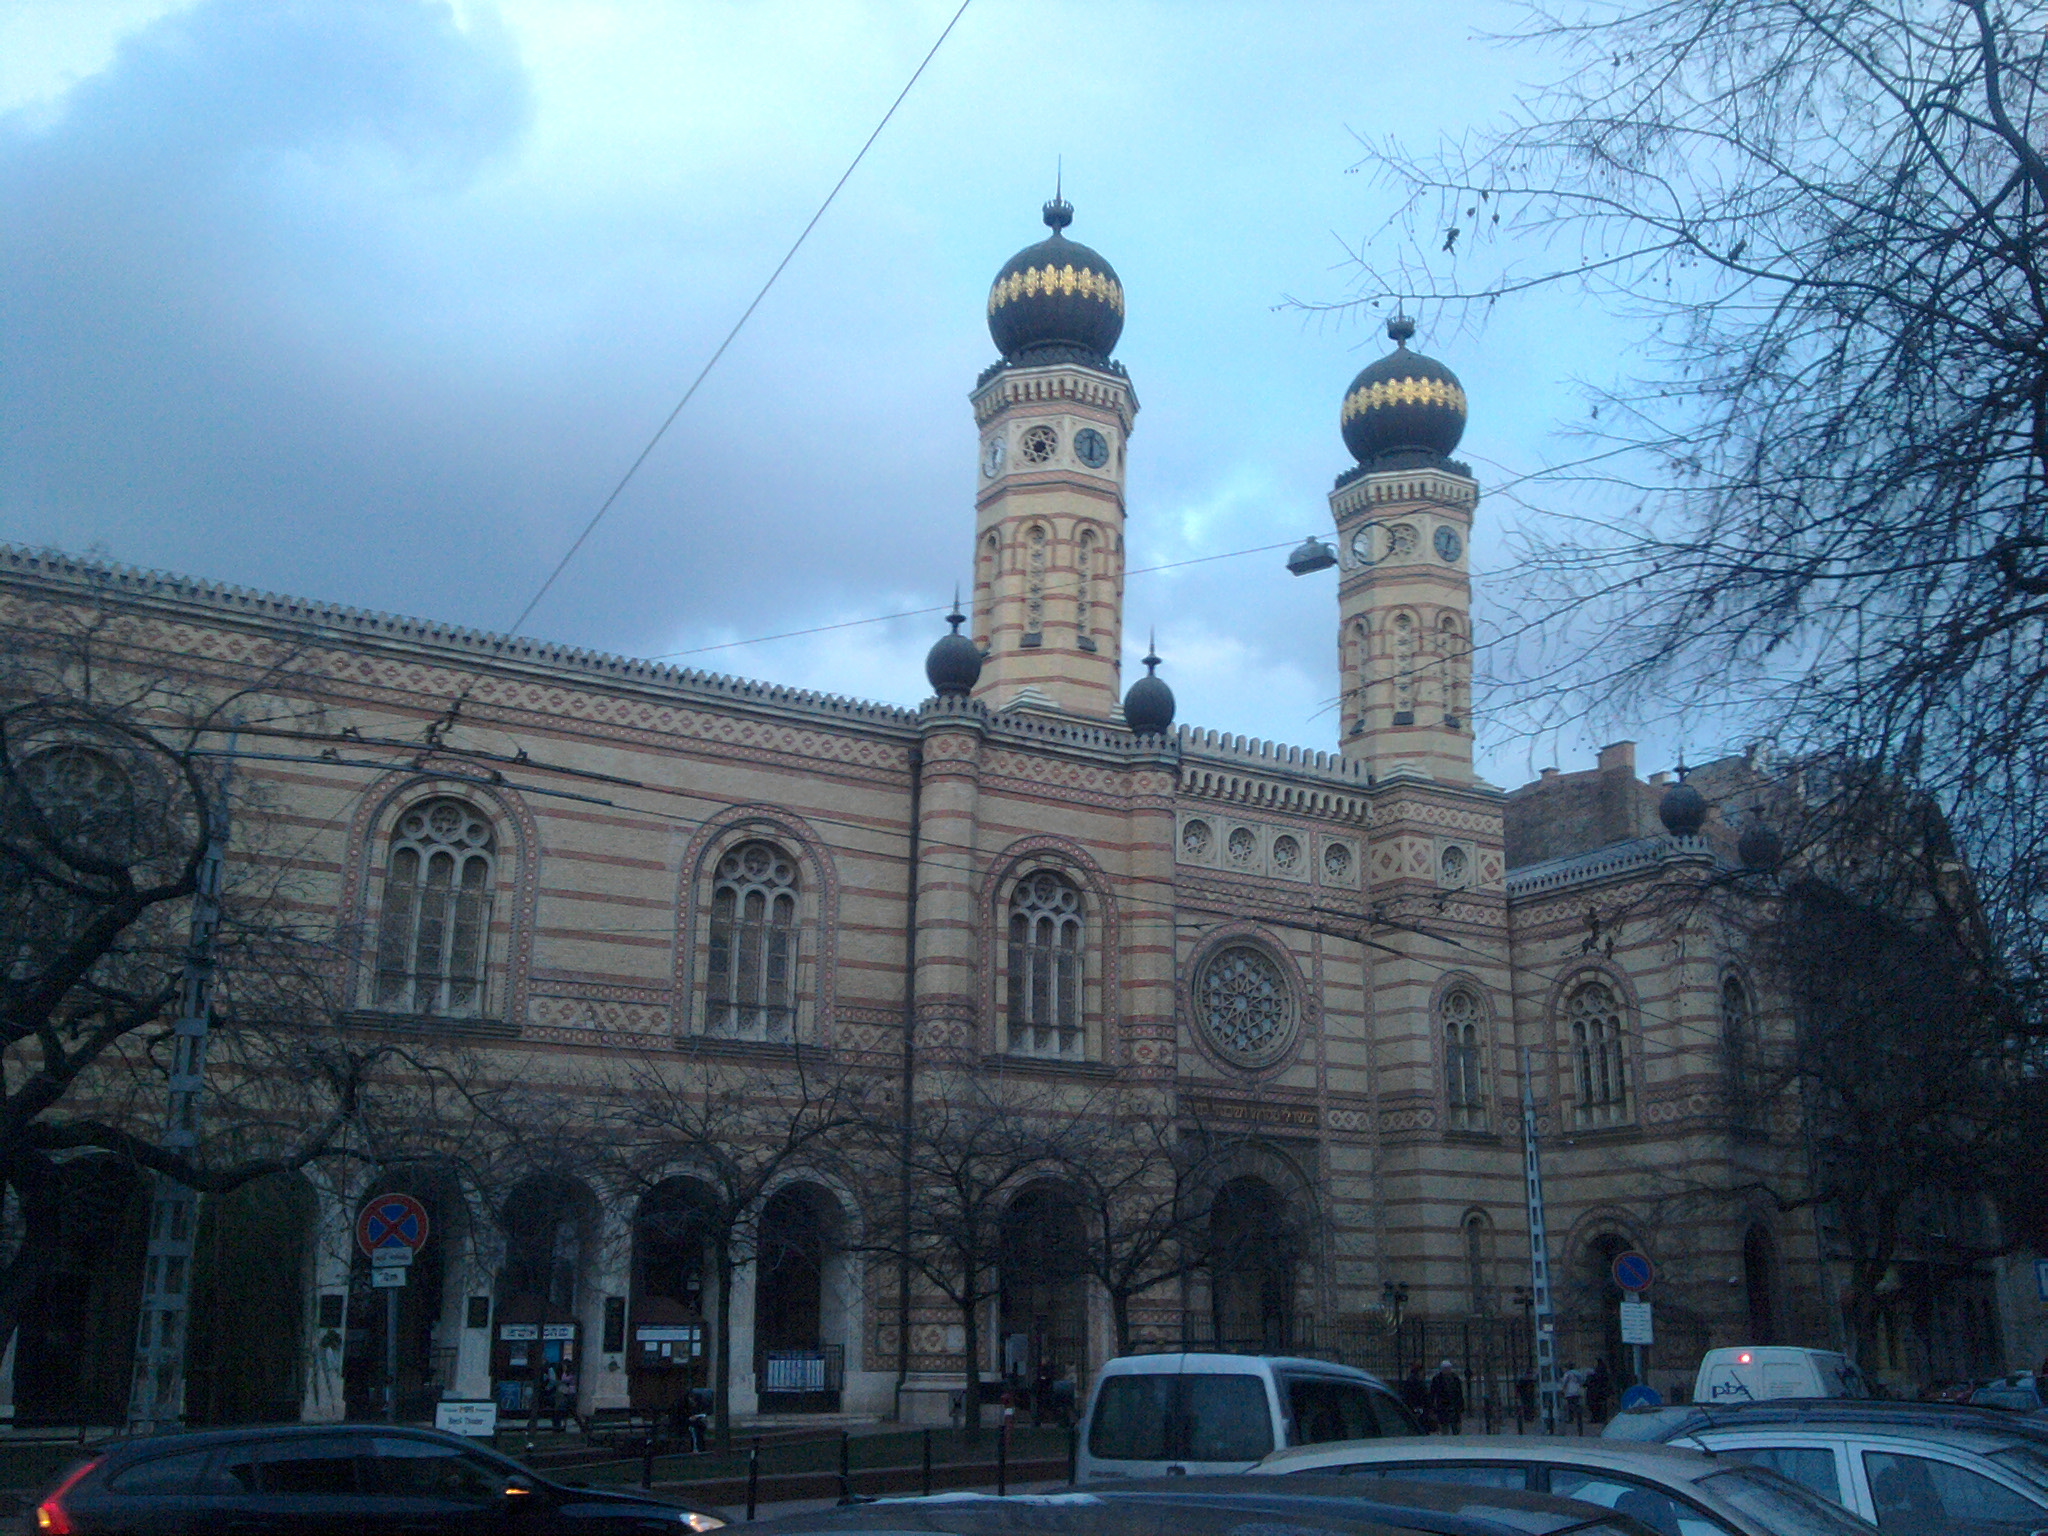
668	1348
1254	1247
245	1362
1760	1284
798	1369
76	1348
537	1351
367	1359
1603	1329
1042	1295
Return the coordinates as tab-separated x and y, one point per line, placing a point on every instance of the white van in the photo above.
1752	1373
1155	1415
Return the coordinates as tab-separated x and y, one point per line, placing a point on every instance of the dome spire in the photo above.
1056	301
953	666
1059	213
1148	707
1404	411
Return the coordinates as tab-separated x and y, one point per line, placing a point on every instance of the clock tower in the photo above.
1404	527
1054	416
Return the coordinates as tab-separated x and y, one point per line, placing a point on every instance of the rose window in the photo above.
1241	844
1039	444
1337	860
1244	1006
1194	839
1286	853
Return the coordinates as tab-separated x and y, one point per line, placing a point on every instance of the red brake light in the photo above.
1743	1358
50	1514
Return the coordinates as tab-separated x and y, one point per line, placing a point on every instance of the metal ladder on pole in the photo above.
1542	1314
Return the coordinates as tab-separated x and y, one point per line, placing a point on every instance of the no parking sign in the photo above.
391	1222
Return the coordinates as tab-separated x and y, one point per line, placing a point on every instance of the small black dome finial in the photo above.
1148	707
1401	330
1683	810
953	665
1059	213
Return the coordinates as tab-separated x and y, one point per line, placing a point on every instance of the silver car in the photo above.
1672	1491
1911	1480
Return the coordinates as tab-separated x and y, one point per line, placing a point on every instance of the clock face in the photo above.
1361	546
1091	447
992	457
1448	545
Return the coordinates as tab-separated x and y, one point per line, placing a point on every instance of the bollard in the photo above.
753	1476
845	1467
1073	1455
927	1463
647	1461
1003	1459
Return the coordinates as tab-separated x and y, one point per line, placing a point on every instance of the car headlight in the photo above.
696	1520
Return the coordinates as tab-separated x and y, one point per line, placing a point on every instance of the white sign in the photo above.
559	1331
478	1417
514	1332
388	1277
1635	1323
391	1255
678	1332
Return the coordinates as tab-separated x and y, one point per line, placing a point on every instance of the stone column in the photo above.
600	1377
332	1252
1148	959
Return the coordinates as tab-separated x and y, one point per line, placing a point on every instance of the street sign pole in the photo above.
391	1229
391	1354
1541	1317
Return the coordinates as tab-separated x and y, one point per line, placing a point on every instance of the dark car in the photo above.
346	1479
1220	1506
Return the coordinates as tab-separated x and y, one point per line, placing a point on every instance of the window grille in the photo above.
1045	967
1464	1062
1597	1055
434	933
751	987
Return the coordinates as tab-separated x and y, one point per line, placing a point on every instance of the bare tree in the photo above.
971	1142
735	1132
111	791
1819	508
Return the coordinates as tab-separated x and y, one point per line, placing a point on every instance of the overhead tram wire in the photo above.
730	336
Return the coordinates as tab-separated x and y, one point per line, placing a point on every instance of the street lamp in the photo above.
1311	556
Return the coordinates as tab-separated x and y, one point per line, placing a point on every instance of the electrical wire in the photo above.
731	335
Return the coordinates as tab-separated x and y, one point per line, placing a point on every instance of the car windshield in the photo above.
1780	1505
2027	1461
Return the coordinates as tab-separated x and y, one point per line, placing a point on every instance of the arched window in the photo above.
1037	553
1404	668
1046	966
434	930
1479	1260
1454	670
1598	1063
1357	673
750	983
1736	1041
1464	1061
1084	595
985	587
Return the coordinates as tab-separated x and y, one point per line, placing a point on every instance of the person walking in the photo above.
1415	1393
1599	1386
1447	1398
1574	1386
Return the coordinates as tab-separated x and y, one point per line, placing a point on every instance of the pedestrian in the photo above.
1599	1387
1415	1393
565	1395
1574	1386
1447	1398
551	1394
1041	1390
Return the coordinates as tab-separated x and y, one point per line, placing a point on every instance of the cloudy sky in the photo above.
374	300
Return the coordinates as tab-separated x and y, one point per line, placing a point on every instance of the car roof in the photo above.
1981	1441
1236	1365
1218	1504
1680	1463
125	1449
1881	1416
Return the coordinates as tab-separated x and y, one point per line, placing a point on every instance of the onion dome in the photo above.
1148	707
1405	410
954	662
1760	848
1056	296
1683	810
